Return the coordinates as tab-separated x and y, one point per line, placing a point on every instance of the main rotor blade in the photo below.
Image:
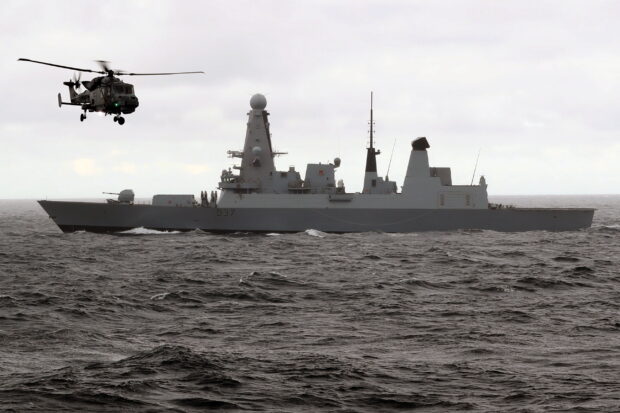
155	74
104	65
61	66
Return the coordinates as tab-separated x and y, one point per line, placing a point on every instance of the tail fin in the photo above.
60	102
72	93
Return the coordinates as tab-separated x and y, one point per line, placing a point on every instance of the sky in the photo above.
531	86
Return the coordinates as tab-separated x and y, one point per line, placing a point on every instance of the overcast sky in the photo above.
533	85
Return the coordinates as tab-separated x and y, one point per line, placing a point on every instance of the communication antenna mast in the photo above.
371	153
387	174
475	167
372	123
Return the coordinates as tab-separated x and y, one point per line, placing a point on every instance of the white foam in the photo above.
315	233
146	231
160	296
273	234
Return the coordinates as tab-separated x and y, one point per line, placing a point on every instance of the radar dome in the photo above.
258	101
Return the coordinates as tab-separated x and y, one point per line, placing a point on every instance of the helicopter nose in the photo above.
129	100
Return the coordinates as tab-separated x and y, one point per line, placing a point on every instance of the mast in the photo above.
372	124
371	160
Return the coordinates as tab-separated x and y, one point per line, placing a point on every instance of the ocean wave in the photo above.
315	233
146	231
565	258
203	403
611	228
181	296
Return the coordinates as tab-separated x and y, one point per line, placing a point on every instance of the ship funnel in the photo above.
420	144
418	162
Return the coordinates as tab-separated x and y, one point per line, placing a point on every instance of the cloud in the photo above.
85	167
195	169
126	168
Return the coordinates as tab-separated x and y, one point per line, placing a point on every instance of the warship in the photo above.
255	197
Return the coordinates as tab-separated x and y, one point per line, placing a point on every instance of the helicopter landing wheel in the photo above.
82	117
115	118
121	120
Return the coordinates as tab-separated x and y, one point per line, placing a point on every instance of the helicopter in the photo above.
107	94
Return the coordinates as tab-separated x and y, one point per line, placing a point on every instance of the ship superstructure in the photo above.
258	182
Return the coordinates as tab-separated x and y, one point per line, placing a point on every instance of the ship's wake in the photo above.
315	233
147	231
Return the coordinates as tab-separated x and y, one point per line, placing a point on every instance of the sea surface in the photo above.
432	322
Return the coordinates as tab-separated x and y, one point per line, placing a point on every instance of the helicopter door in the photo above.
106	95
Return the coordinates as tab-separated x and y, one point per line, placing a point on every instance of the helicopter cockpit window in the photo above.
124	89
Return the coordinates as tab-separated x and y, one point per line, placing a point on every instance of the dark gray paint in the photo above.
100	217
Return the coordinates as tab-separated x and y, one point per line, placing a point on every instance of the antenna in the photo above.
372	123
390	163
475	167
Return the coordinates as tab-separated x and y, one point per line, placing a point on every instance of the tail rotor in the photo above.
76	79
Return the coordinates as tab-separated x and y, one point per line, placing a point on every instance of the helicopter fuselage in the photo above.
106	94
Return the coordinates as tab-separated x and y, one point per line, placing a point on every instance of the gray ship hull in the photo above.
116	217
